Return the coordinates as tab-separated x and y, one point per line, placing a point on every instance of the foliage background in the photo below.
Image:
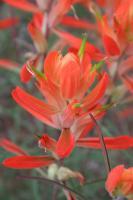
21	127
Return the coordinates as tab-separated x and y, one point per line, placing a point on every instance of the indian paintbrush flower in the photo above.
120	182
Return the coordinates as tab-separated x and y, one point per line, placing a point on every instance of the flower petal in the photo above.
8	64
77	23
52	66
113	178
36	107
23	5
96	94
51	92
47	142
70	76
65	144
58	11
25	74
8	22
37	37
11	147
75	42
28	162
109	37
111	46
114	143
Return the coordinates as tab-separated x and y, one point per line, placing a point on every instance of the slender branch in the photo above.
104	149
53	182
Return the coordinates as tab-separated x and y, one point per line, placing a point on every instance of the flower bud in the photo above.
120	182
65	173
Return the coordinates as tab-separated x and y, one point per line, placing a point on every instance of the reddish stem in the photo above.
104	149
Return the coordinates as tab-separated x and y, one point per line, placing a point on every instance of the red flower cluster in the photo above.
67	105
120	182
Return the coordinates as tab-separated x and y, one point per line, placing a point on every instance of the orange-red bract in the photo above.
77	23
8	64
120	182
28	162
75	42
11	147
61	148
23	160
24	5
35	106
65	144
114	143
110	40
58	11
118	34
8	22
